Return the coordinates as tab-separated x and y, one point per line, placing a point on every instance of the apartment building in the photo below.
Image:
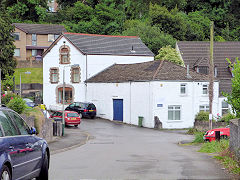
31	40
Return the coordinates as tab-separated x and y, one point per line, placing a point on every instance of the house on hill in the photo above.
196	55
75	57
31	40
152	90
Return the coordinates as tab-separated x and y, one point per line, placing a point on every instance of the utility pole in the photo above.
211	75
63	102
0	86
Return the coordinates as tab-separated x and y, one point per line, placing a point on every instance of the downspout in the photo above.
86	79
130	94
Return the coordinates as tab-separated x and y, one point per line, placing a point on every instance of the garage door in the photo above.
118	109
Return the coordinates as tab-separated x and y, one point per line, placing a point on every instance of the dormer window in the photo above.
202	69
64	54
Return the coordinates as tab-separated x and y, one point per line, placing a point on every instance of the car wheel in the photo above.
44	169
93	117
80	115
5	173
76	125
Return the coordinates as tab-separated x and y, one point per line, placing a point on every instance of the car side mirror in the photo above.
32	131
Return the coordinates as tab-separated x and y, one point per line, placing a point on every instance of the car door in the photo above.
31	149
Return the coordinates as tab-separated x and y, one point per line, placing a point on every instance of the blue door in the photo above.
118	109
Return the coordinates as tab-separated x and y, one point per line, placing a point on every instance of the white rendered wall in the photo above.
143	98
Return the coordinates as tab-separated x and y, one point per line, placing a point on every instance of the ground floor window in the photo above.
224	107
68	95
174	112
204	108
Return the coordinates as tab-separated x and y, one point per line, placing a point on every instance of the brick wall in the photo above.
29	64
234	143
204	125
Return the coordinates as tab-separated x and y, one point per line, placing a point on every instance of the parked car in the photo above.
29	102
84	109
71	117
211	136
22	154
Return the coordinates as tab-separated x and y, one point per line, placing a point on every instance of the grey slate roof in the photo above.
147	71
109	45
40	28
197	53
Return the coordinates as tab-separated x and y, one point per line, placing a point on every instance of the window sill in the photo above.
174	121
54	82
183	95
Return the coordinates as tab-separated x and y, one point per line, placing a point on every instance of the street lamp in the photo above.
27	72
63	98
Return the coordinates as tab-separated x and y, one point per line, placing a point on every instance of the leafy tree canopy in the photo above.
169	54
7	62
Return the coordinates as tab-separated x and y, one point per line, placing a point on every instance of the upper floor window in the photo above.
51	37
202	69
16	36
34	39
75	75
34	52
174	112
17	52
205	89
54	75
183	89
64	54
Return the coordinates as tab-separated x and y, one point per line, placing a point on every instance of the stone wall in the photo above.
234	143
204	125
29	64
32	86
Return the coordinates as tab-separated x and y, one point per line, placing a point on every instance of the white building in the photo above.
124	92
82	56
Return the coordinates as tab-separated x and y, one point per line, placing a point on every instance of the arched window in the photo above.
64	54
68	95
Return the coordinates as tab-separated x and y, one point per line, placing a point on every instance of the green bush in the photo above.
7	97
202	116
17	104
199	137
227	117
192	131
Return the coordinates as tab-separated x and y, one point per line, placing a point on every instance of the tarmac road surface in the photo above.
119	151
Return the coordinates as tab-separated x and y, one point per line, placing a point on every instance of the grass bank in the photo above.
36	75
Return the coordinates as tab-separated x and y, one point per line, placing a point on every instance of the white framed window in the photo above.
17	52
51	37
224	107
174	112
16	36
204	108
183	89
34	52
34	39
205	89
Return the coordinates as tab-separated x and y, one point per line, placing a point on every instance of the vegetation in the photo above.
7	97
17	104
199	137
227	117
234	98
36	75
7	62
223	154
158	23
202	116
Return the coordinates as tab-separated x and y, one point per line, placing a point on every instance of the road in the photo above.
119	151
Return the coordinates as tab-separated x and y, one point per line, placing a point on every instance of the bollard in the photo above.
54	128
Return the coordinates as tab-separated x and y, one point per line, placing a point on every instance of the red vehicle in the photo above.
71	117
210	135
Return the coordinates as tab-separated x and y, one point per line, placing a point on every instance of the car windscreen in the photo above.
72	115
28	100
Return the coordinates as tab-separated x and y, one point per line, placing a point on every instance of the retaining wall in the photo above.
29	64
204	125
234	142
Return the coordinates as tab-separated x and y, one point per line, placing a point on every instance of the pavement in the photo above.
72	138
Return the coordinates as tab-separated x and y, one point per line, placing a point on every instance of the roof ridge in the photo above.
158	69
101	35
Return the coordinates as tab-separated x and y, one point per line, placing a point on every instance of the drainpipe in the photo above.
86	79
130	94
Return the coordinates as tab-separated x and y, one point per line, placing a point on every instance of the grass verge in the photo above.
223	154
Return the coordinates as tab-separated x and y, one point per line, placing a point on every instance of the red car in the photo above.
71	117
210	135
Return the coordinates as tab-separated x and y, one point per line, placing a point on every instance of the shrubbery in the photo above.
202	116
17	104
7	97
199	137
227	117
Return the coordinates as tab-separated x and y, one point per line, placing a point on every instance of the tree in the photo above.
7	62
152	36
169	54
233	98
